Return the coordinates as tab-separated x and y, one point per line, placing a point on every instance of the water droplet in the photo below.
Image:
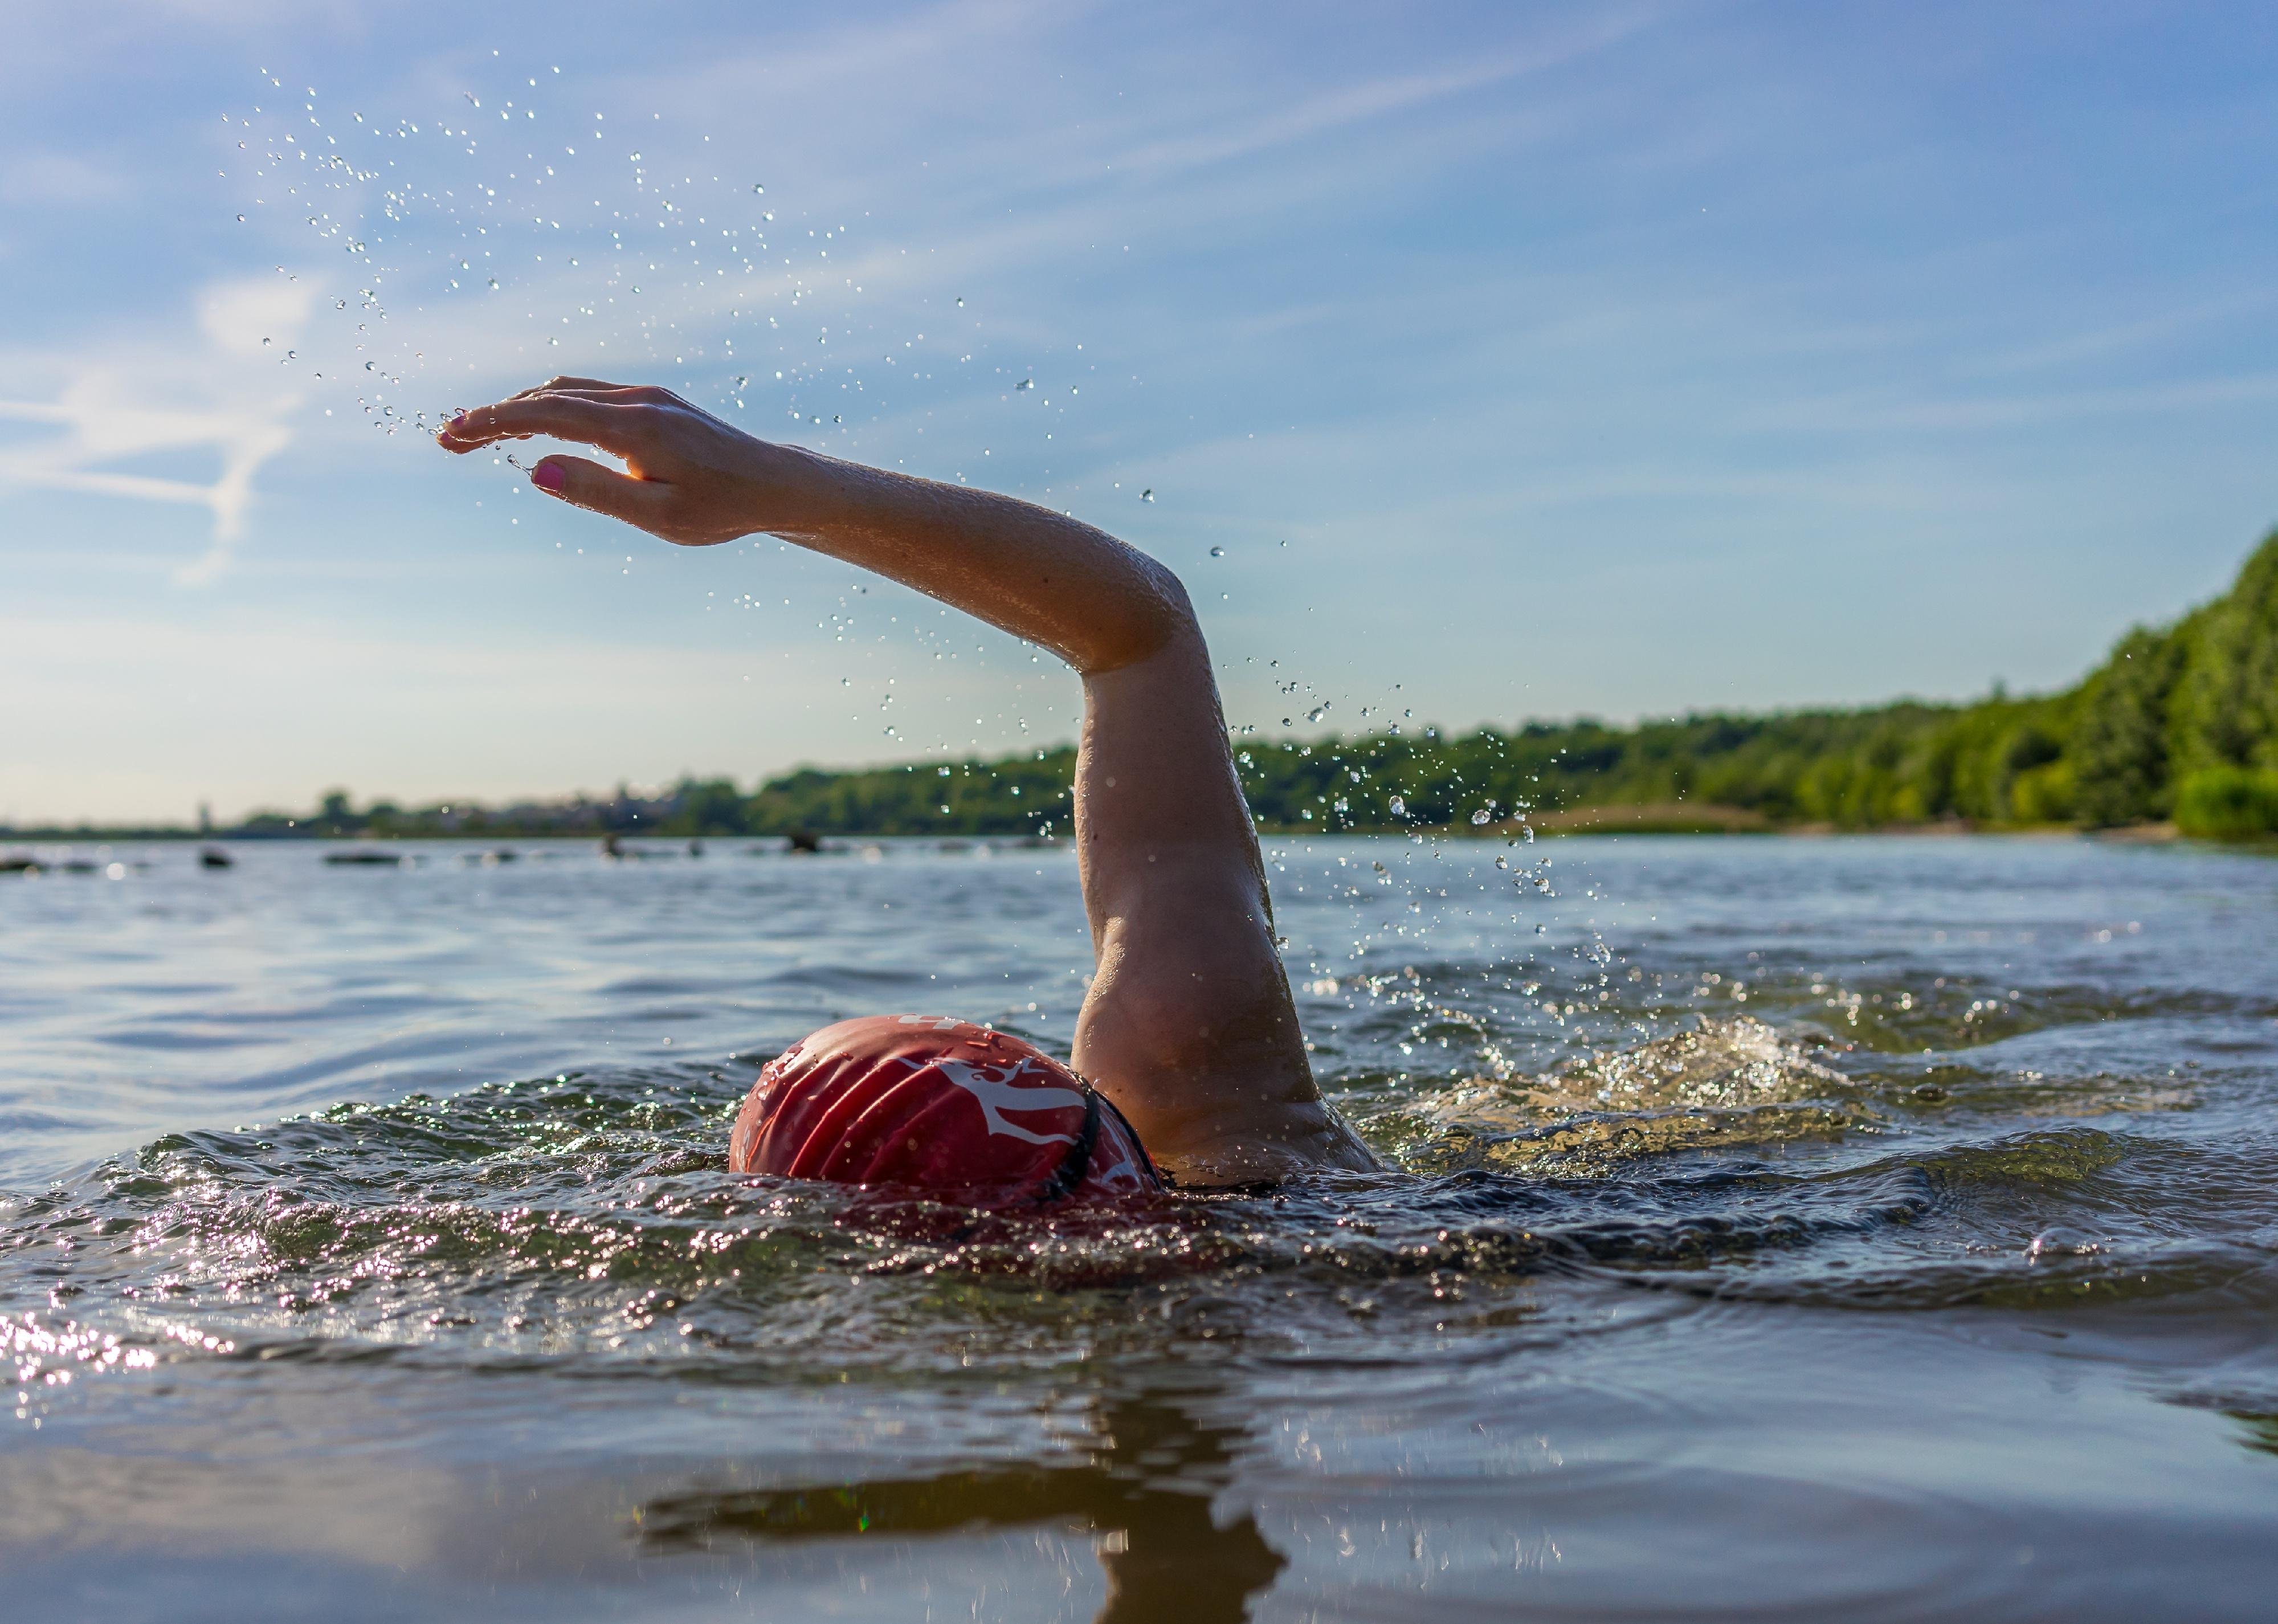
1218	552
1399	807
264	343
240	217
1147	494
960	304
1026	383
758	190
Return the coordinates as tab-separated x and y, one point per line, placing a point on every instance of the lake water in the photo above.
1862	1228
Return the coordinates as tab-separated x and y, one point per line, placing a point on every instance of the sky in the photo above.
1470	363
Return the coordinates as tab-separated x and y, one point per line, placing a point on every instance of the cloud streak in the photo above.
111	414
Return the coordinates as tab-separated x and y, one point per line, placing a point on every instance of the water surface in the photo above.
1861	1229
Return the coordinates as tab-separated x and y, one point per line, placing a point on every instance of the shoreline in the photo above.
1579	821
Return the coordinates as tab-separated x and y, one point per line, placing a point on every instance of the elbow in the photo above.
1155	614
1175	611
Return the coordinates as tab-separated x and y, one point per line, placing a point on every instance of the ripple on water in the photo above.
1765	1164
590	1220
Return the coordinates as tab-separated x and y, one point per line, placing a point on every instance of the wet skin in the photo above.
1189	1026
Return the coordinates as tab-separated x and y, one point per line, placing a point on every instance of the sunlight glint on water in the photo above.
1862	1228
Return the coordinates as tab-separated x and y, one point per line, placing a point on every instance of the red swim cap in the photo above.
940	1105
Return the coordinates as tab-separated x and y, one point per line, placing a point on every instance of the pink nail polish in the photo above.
547	477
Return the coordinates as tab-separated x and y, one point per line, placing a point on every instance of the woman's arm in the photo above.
1189	1026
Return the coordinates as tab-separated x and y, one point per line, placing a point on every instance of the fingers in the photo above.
611	427
557	385
644	504
515	418
601	389
618	394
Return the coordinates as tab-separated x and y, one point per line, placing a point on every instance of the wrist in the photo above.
796	492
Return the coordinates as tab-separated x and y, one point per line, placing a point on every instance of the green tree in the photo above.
2119	747
2228	804
2226	708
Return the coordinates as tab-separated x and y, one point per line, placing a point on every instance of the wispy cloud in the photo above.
110	414
1320	113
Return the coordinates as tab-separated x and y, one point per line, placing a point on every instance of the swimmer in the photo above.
1188	1061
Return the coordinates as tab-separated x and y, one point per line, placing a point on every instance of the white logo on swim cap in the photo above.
997	1094
1124	1174
940	1023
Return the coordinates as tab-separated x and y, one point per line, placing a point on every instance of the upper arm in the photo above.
1189	1026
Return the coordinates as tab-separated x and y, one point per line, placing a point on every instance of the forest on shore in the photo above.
2178	726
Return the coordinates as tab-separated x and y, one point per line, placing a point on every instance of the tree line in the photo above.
2180	723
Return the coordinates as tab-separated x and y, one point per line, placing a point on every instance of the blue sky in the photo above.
1518	360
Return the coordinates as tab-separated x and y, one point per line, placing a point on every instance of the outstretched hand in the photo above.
688	476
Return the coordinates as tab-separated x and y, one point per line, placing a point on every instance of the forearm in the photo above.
1094	601
694	480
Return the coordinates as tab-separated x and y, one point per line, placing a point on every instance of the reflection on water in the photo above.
2261	1431
1144	1495
1839	1230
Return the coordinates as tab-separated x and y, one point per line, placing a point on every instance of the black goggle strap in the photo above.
1146	1162
1077	1162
